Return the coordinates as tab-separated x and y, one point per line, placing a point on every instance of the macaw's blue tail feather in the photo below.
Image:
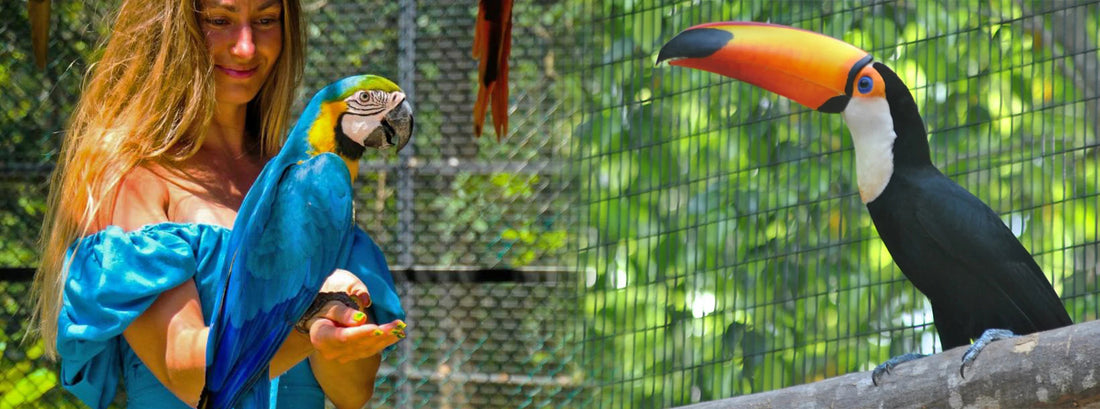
252	359
256	397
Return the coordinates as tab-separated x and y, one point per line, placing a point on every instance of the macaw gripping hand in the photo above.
319	302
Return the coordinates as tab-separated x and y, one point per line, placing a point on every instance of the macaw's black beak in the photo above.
810	68
395	130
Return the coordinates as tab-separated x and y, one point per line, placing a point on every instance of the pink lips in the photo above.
232	73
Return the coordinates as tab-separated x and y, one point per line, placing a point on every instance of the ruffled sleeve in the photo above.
369	264
113	277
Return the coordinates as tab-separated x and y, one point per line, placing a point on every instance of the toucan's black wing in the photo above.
988	278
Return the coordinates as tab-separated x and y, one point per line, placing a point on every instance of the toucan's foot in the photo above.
885	368
988	336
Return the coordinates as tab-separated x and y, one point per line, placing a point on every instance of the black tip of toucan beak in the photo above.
694	43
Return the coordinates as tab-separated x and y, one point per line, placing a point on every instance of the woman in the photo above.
174	124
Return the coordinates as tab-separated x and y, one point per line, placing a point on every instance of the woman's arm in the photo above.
170	336
347	359
347	385
348	356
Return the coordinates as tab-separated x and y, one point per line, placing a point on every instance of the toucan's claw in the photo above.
988	336
885	367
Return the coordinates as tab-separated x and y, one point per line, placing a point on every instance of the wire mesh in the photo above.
724	249
478	345
450	202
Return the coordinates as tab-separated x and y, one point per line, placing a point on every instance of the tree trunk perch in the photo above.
1059	368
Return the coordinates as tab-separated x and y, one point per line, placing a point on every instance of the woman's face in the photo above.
244	38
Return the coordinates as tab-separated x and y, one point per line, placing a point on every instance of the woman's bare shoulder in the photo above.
140	199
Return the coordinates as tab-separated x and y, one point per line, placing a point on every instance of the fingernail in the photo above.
378	332
401	325
398	333
359	316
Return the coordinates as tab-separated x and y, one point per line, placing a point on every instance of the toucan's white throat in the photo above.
873	136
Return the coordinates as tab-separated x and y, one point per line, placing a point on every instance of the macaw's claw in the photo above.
885	367
319	302
988	336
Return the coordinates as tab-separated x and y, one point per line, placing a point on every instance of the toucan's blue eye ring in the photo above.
865	84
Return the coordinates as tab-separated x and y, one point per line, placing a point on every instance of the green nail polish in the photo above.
378	332
359	316
401	325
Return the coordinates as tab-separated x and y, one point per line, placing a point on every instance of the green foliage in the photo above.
30	116
727	250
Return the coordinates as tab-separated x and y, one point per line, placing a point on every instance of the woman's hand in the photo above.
346	344
344	334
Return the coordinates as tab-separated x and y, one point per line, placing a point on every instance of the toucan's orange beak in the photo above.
810	68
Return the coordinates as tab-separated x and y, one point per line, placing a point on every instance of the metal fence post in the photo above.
406	68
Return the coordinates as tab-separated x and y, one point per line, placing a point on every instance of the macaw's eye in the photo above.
363	96
865	84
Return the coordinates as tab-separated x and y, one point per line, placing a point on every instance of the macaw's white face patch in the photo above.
873	136
357	128
366	110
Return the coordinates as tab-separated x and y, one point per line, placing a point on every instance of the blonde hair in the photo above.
149	98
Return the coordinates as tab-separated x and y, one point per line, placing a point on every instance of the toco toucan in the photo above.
950	244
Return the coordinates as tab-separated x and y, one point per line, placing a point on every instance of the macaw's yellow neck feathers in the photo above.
322	135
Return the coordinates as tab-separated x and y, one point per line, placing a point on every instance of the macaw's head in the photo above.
356	113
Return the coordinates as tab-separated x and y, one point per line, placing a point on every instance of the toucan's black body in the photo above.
952	246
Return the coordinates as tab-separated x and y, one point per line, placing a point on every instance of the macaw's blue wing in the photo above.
286	242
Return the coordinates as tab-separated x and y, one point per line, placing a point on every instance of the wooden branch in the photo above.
1059	368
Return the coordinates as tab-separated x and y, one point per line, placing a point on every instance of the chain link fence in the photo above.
475	230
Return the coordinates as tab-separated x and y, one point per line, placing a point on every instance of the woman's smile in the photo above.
239	73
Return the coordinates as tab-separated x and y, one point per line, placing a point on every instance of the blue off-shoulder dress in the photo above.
114	275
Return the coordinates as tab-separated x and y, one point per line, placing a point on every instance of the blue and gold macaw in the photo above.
293	229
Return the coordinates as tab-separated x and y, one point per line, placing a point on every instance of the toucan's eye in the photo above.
865	84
